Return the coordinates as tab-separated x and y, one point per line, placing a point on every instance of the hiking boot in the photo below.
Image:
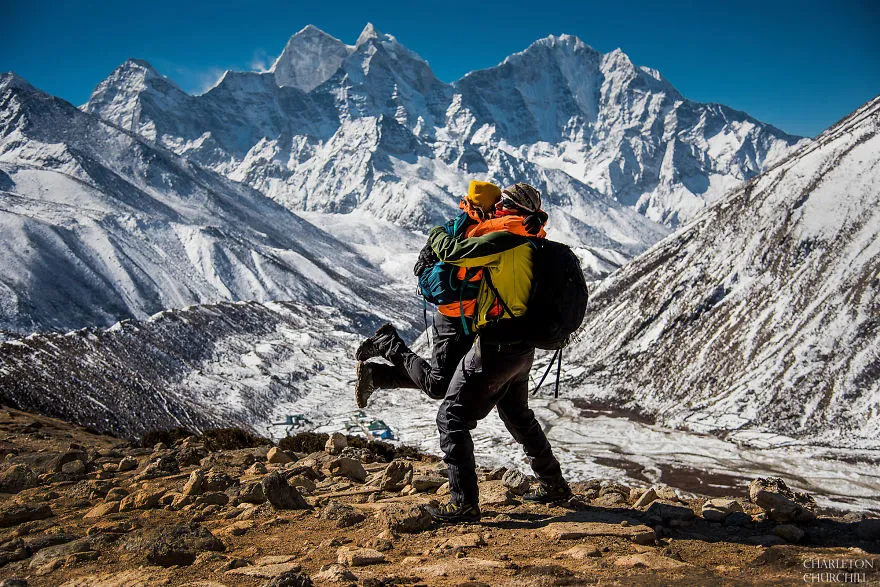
451	513
364	386
545	493
385	343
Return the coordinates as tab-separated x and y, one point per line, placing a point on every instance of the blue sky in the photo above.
798	65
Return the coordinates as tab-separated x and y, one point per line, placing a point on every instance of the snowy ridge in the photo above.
761	315
99	225
610	144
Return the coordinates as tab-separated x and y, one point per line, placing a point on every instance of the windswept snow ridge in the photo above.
763	314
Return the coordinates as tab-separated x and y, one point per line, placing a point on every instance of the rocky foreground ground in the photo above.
227	508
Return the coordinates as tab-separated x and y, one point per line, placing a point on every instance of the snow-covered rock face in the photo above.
763	314
608	142
99	225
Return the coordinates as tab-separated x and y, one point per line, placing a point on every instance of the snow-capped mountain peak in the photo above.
310	58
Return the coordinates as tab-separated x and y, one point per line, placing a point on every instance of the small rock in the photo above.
111	527
252	493
494	494
343	515
443	489
396	475
75	467
666	511
61	552
215	481
646	498
462	541
257	468
789	533
280	494
213	498
127	464
574	530
289	579
408	519
277	456
515	481
160	446
141	500
346	467
268	571
781	503
421	483
232	563
193	485
181	544
358	557
336	443
716	510
738	519
102	509
302	483
610	500
17	478
496	474
580	552
15	514
648	560
115	494
336	573
161	467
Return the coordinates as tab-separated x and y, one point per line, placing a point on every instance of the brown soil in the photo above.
512	544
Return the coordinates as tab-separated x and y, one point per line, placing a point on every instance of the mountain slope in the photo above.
763	314
101	225
612	145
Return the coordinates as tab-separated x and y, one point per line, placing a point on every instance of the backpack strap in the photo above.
498	297
557	358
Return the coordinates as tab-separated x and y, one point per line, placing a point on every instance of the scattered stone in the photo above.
789	533
646	498
443	489
648	560
302	483
180	501
141	500
102	509
161	467
111	527
269	571
666	492
252	493
289	579
256	469
781	503
573	530
61	551
580	552
336	573
14	582
495	474
191	453
422	483
335	443
127	464
17	478
275	559
213	498
359	557
280	494
239	528
276	456
462	541
346	467
58	463
666	511
408	519
115	494
494	494
515	481
610	500
344	515
193	485
233	563
716	510
15	514
215	481
396	475
181	544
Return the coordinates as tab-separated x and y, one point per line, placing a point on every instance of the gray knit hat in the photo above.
523	196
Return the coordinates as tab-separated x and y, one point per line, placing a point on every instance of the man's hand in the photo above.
426	259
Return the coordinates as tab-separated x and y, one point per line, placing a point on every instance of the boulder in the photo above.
115	494
252	493
336	443
396	475
408	519
103	509
574	530
343	515
346	467
494	494
68	456
422	483
668	511
738	519
142	500
276	456
193	485
213	498
280	494
336	573
716	510
127	464
580	552
74	468
14	514
358	557
303	483
517	482
495	474
162	466
61	551
781	503
17	478
181	544
218	481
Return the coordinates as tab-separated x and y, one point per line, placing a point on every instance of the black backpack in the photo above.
556	307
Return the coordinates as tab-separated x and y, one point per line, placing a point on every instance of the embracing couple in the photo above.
478	269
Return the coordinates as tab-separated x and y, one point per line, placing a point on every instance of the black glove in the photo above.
426	259
535	221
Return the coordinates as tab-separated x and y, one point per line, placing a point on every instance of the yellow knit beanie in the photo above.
483	195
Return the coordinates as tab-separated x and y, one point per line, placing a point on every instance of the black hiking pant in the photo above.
411	371
491	376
